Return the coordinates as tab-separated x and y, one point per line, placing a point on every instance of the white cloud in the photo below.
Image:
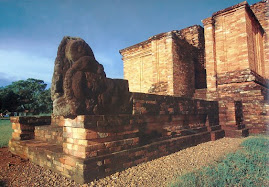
20	65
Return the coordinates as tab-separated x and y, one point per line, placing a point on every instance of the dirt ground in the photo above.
15	171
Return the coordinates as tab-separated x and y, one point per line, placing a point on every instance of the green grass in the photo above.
249	166
5	132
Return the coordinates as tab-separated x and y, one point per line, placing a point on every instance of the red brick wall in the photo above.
169	63
148	64
155	118
93	146
254	104
183	68
231	41
255	44
250	90
236	67
210	53
194	35
234	41
24	127
261	11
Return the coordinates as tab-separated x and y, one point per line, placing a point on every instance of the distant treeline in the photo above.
28	95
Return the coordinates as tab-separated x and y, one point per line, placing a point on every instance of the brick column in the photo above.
266	40
210	53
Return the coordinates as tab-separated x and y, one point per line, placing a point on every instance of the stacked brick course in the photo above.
24	127
99	135
149	63
165	64
235	48
261	11
235	44
93	146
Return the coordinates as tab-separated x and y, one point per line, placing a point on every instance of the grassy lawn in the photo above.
249	166
5	132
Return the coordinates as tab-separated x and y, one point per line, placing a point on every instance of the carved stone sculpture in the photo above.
79	83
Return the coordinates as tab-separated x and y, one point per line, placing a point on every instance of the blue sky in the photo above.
31	30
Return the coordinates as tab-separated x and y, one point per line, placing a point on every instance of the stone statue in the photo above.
79	83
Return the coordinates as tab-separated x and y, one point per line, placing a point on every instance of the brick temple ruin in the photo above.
182	88
226	61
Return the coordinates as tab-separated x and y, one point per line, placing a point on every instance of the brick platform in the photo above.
82	170
93	146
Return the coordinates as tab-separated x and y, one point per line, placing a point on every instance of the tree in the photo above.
30	94
45	102
9	100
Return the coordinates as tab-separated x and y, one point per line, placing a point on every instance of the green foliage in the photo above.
30	94
8	100
246	167
44	101
5	132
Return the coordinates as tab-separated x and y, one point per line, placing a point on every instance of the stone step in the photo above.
99	148
214	128
85	170
215	135
232	127
237	133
